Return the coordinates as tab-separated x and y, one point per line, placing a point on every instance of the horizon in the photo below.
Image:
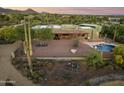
76	10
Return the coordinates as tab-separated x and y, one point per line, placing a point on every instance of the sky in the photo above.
77	10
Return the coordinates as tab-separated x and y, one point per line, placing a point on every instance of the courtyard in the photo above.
57	49
60	48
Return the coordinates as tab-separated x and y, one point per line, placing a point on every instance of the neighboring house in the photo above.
69	31
114	20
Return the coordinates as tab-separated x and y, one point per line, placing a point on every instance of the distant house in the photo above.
114	20
70	31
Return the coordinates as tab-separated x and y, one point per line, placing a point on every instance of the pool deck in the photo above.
91	44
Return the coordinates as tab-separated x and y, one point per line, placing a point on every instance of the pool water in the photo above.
104	47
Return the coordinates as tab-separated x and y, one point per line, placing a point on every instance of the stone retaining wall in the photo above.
97	81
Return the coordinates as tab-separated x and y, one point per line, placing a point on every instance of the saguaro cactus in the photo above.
27	43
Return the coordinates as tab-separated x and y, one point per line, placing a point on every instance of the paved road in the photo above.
6	68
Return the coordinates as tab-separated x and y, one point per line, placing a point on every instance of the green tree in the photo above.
44	34
8	34
20	32
95	60
114	32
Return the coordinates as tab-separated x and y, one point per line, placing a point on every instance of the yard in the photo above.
64	72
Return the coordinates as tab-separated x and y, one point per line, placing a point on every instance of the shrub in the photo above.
119	55
87	83
50	65
119	50
119	59
37	76
95	60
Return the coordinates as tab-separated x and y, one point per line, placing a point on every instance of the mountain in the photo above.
2	10
28	11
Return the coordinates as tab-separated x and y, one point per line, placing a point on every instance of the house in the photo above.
114	20
70	31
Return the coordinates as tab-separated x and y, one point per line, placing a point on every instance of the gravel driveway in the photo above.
6	68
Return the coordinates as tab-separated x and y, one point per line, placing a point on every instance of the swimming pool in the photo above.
104	47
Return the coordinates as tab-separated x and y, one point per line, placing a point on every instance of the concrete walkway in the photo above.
7	70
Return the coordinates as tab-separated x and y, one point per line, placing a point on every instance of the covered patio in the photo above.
70	34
